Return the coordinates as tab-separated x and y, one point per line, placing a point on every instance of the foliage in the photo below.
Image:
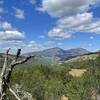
46	82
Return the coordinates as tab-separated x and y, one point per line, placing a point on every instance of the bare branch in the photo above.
18	54
7	52
21	61
11	90
5	63
12	65
6	74
14	94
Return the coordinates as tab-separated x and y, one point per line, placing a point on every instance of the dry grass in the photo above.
77	72
64	98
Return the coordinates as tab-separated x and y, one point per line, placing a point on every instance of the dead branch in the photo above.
17	54
21	62
12	65
6	74
14	94
5	64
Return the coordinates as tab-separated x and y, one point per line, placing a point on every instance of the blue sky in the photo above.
34	25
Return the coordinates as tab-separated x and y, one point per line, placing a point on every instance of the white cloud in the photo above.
5	26
19	13
13	38
60	8
73	16
59	33
11	35
34	46
74	21
14	45
80	23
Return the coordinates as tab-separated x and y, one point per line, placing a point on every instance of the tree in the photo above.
6	73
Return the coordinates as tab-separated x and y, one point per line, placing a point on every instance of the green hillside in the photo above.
83	57
50	82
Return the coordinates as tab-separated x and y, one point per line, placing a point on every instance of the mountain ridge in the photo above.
54	55
55	50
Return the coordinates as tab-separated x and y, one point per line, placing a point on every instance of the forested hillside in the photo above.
79	80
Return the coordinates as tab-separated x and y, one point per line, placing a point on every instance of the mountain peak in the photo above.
54	48
58	52
52	55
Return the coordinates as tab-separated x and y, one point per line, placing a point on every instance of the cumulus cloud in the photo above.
26	47
19	13
80	23
13	38
14	45
5	26
59	33
60	8
72	15
34	46
11	35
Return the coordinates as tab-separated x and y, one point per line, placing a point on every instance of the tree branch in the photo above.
12	65
21	61
5	63
17	54
6	74
14	94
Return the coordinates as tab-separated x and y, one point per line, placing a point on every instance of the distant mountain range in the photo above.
53	55
59	53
